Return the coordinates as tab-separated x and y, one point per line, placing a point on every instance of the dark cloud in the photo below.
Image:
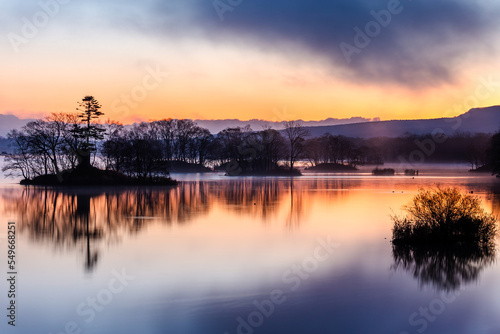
422	45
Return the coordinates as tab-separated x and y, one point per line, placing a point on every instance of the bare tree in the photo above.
200	145
314	148
112	144
295	132
185	128
65	123
167	132
21	160
45	138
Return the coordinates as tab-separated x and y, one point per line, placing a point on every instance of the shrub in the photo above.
444	215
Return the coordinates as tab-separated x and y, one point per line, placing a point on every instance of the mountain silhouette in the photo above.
476	120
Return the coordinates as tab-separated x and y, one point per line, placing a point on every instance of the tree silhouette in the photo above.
89	110
296	133
495	154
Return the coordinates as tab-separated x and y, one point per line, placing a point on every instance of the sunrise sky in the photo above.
245	59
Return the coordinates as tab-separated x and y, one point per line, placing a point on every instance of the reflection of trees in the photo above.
444	267
88	219
255	197
495	204
494	197
262	198
294	217
85	219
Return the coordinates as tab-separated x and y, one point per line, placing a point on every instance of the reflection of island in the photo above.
83	218
444	267
89	219
262	198
86	219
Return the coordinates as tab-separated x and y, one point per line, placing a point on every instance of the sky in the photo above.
250	59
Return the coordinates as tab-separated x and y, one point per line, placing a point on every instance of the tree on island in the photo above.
41	147
89	110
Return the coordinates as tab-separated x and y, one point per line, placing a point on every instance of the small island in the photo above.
92	176
383	172
331	167
62	149
487	168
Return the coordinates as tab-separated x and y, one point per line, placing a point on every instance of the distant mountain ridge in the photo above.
9	122
257	124
476	120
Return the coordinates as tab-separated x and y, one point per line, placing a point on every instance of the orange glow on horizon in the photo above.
201	81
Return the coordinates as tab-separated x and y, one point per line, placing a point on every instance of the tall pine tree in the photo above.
88	131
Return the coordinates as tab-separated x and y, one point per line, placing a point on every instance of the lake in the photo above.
242	255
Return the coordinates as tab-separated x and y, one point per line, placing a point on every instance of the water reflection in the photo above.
86	220
294	216
446	268
494	197
83	218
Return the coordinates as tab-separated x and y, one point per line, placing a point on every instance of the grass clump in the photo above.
444	215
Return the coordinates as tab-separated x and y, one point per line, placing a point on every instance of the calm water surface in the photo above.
250	255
